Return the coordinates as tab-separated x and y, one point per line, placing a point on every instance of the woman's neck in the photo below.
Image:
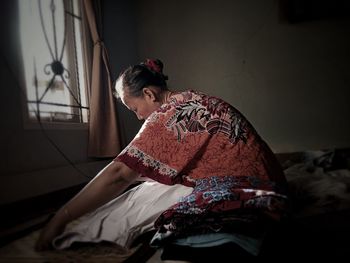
165	96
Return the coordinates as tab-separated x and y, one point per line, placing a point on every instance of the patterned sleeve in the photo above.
160	150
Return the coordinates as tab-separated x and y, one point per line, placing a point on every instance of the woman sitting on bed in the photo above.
196	140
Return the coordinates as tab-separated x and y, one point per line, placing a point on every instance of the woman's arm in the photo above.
107	185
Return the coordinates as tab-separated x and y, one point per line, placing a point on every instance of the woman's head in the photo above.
142	87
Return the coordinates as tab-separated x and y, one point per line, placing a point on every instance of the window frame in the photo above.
86	43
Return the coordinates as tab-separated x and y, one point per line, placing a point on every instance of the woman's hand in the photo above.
107	185
48	233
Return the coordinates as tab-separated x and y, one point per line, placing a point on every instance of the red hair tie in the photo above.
152	65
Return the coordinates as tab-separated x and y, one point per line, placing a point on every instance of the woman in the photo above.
196	140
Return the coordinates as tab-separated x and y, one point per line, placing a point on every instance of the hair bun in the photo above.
155	65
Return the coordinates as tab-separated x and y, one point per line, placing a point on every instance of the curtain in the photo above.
103	127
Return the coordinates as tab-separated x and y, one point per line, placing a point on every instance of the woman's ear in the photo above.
149	93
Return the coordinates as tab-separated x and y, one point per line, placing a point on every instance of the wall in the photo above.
290	80
120	37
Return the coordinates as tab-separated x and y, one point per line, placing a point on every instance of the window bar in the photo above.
58	104
53	10
76	62
44	29
36	92
64	34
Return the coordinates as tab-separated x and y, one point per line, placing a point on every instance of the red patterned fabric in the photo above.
203	142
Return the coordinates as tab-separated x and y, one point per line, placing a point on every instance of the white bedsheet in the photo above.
125	218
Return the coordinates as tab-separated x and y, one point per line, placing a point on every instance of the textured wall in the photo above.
290	80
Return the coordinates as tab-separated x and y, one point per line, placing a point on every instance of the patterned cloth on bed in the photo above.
203	142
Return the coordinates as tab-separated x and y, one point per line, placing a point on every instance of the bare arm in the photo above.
107	185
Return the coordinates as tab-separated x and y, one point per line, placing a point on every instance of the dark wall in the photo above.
120	36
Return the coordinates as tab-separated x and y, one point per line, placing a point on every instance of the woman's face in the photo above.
142	106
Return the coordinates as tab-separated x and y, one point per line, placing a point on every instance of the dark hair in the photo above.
136	77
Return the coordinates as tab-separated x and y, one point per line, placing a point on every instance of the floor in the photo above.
326	236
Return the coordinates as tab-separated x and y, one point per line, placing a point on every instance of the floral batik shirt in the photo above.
203	142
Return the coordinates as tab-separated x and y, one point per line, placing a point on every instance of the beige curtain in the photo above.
103	128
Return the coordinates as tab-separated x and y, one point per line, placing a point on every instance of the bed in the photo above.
319	184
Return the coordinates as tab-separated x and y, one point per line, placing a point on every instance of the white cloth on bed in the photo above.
123	219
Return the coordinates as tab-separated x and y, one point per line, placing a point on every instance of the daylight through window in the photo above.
53	58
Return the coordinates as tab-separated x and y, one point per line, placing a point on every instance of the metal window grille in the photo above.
53	60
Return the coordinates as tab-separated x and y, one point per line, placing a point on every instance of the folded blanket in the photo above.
125	218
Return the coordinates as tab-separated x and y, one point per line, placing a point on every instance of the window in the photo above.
53	52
